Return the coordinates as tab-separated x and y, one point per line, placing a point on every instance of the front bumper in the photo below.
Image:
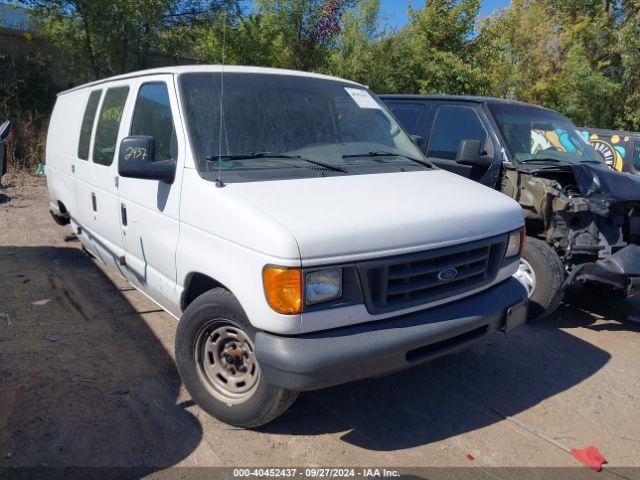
332	357
620	271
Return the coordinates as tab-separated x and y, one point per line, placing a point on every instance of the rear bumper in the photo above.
620	271
332	357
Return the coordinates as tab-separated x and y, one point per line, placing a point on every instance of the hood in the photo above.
347	218
602	186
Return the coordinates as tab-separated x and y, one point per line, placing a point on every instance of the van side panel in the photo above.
208	218
61	149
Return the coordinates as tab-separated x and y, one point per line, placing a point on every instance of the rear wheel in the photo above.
217	362
541	272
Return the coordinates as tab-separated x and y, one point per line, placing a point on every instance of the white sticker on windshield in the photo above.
362	98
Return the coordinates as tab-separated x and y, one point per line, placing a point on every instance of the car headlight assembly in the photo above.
323	285
515	246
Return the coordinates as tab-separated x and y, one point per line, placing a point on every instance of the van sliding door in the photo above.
96	174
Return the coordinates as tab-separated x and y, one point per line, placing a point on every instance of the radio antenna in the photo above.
219	182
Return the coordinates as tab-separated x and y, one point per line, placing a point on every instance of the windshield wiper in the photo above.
389	154
533	160
248	156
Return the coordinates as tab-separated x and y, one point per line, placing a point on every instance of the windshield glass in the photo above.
536	135
636	155
267	121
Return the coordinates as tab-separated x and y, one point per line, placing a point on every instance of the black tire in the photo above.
550	275
60	220
210	310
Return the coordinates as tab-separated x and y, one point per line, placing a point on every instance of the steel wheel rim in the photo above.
226	362
527	276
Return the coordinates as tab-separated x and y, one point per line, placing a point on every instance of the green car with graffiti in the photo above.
620	150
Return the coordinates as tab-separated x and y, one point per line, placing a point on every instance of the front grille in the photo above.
408	280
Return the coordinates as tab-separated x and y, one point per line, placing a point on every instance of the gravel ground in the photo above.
87	379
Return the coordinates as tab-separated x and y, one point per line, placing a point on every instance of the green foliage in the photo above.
560	54
26	97
353	54
581	57
106	37
630	57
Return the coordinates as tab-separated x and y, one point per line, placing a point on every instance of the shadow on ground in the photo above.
501	377
594	307
85	382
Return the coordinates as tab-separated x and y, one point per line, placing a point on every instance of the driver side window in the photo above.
152	117
452	125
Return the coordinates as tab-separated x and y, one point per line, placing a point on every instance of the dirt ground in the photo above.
87	378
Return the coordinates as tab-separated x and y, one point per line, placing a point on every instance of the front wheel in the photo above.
541	272
217	363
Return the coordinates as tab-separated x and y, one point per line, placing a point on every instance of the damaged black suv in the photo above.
582	217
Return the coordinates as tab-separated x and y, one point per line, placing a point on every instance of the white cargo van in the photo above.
288	221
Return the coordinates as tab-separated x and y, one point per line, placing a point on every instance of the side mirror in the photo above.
137	159
420	142
469	154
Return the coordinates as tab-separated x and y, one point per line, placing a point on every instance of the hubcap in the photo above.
526	276
226	361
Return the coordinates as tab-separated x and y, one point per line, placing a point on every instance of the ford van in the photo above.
290	224
582	217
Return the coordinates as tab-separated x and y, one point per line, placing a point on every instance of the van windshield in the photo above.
536	135
273	121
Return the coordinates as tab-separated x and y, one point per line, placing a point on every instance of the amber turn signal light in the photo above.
283	289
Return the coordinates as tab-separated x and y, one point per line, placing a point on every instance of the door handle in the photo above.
123	214
94	202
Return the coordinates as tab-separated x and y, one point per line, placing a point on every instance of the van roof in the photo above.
206	69
459	98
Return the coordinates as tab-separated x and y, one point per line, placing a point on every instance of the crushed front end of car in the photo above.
589	213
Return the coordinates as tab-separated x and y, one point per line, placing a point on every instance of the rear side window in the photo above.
410	115
636	155
104	145
87	124
453	124
152	116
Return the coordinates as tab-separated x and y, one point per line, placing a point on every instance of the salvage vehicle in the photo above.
582	217
618	149
274	214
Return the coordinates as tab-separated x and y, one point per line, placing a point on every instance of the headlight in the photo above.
323	285
515	246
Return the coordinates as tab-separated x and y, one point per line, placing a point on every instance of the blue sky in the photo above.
396	10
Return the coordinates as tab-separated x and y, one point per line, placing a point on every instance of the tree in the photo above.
306	29
630	55
436	52
560	54
106	37
353	53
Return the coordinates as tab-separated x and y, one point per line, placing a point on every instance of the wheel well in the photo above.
195	285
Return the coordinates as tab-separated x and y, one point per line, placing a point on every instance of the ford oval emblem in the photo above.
448	274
